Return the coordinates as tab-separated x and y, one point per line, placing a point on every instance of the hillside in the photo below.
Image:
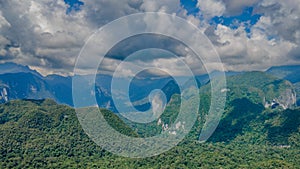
39	132
42	134
255	102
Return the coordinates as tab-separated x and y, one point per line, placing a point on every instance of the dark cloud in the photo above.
139	42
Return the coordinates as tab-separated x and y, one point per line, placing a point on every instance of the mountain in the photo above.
61	88
249	95
254	99
290	73
170	88
43	134
14	85
204	79
10	67
262	88
24	85
260	121
31	86
251	123
248	119
20	82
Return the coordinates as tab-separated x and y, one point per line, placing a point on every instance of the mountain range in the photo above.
260	121
21	82
43	134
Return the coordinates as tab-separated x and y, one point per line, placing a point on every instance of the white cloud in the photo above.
257	52
282	19
211	8
167	6
42	35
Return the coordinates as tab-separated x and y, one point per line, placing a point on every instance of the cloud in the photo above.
43	35
144	41
273	40
40	33
211	8
167	6
98	13
235	7
240	52
282	19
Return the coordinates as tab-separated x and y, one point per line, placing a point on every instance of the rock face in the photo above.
287	99
290	73
4	95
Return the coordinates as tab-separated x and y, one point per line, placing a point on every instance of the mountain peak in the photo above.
11	67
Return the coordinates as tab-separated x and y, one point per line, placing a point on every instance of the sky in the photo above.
47	35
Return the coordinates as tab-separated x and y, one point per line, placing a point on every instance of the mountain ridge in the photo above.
60	88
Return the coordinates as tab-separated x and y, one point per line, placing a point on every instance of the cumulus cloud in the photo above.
98	13
211	8
282	19
40	33
43	35
273	40
240	52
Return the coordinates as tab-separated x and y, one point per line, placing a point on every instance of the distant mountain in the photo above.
169	89
290	73
20	82
28	85
25	86
61	88
16	68
204	79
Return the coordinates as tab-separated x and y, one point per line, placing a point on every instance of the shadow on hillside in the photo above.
289	123
237	120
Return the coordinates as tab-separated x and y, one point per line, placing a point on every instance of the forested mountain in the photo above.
290	73
251	133
260	121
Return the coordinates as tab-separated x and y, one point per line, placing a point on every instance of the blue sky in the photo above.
190	6
246	17
74	5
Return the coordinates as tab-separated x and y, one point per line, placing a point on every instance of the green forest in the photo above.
44	134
